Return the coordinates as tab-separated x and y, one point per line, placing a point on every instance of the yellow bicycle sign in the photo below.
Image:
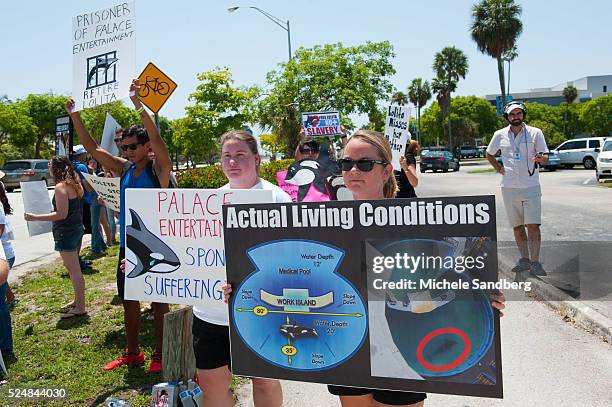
155	87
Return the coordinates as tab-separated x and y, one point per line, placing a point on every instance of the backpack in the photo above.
150	169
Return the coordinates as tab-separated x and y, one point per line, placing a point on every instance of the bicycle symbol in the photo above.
155	86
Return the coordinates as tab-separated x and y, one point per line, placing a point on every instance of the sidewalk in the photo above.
569	366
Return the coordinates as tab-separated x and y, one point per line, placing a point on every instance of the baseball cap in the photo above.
514	105
79	149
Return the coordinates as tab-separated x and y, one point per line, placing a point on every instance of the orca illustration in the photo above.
293	331
101	63
304	173
152	254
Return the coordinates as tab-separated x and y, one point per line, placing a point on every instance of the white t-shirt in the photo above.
518	153
7	235
219	316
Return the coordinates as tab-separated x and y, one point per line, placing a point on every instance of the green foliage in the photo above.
212	176
17	132
597	116
570	93
552	134
348	79
399	98
42	110
95	117
272	143
218	106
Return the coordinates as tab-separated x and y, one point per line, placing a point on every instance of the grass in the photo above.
52	353
481	171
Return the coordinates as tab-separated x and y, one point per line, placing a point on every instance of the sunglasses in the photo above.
117	139
364	164
308	150
132	147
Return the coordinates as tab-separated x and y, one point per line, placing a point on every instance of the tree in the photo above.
17	130
570	93
419	94
43	109
495	28
331	76
95	117
597	116
399	98
450	65
271	143
510	56
218	106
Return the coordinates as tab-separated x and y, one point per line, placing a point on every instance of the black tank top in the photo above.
74	220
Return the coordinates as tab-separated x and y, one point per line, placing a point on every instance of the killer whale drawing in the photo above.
101	64
305	173
152	254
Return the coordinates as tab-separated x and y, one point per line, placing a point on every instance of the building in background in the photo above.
588	88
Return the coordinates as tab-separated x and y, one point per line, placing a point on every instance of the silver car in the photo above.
25	170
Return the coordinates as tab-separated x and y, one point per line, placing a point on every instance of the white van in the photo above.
580	151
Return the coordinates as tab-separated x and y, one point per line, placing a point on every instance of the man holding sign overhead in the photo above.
136	172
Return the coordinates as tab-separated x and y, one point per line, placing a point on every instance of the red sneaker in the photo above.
156	363
126	359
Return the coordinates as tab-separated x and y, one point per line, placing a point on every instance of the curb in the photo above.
19	270
568	307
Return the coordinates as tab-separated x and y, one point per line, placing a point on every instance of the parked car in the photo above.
25	170
604	161
439	160
483	151
469	152
580	151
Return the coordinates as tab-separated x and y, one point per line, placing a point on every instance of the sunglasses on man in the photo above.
132	146
363	164
117	139
308	150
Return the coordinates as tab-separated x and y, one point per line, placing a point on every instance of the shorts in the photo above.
211	345
120	274
391	397
523	205
67	242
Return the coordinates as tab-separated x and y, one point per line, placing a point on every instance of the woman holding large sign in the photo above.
368	174
240	161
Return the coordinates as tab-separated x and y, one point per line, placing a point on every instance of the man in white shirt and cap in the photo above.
522	148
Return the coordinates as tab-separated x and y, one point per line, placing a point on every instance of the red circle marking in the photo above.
454	363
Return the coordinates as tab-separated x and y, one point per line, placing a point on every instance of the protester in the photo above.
6	329
522	149
240	161
307	149
67	226
91	199
407	179
368	174
96	169
138	172
6	235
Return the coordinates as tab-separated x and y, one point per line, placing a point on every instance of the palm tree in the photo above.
442	90
399	98
510	56
495	28
570	93
450	65
419	94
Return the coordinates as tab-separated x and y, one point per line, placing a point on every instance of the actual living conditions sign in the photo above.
103	45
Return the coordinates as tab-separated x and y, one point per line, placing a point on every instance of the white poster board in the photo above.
396	131
36	200
107	188
175	251
103	49
108	135
321	124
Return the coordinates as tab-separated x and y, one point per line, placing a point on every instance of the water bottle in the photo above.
186	399
198	396
116	402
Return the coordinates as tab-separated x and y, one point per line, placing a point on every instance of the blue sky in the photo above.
562	40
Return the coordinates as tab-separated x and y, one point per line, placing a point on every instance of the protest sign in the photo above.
107	188
389	294
103	49
63	136
36	200
108	135
155	87
174	243
396	132
321	124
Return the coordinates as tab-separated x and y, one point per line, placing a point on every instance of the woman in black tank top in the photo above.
67	227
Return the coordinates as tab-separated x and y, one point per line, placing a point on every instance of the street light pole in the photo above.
281	23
